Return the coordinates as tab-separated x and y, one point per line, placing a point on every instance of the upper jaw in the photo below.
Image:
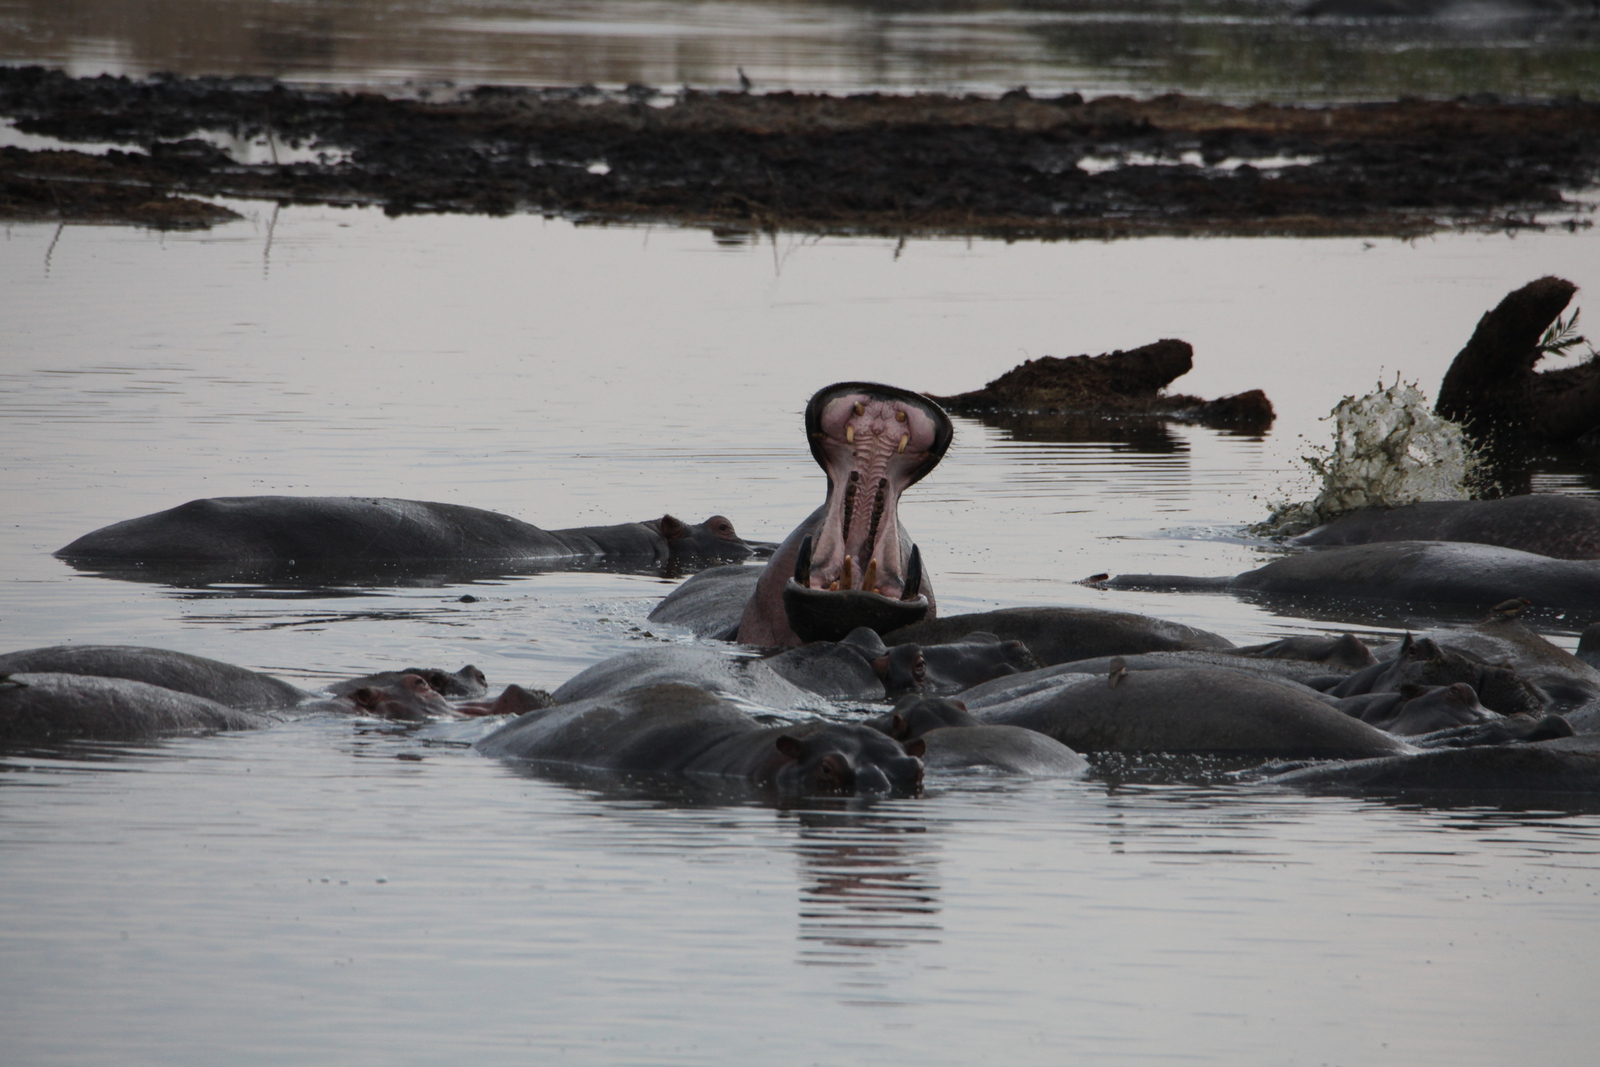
873	441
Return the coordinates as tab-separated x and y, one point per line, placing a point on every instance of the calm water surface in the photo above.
1240	49
360	893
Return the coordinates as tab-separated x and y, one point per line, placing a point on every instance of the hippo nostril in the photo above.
872	780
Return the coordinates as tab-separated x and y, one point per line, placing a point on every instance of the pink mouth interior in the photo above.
870	446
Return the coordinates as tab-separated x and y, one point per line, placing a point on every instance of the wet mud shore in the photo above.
1013	167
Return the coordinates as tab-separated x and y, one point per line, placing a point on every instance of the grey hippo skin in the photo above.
48	707
1415	572
851	563
1547	524
466	684
126	692
1193	709
711	603
348	531
1563	765
684	731
740	677
1568	682
1061	635
224	683
958	741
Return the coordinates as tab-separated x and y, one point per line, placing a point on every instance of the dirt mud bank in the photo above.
1013	167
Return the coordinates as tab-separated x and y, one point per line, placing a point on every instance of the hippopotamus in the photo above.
1062	634
1426	662
1565	681
1560	765
465	684
851	562
127	692
1546	524
338	533
1416	572
234	687
1189	709
862	667
1413	710
47	707
957	740
675	730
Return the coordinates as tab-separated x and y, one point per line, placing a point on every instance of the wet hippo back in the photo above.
1186	710
42	708
315	529
1548	524
226	684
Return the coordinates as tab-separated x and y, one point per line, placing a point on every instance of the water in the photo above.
1238	49
361	893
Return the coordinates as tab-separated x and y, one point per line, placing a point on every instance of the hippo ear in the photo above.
898	727
962	704
880	667
789	746
917	748
919	668
1406	645
672	528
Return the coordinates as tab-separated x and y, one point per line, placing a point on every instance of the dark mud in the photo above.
1118	384
1013	167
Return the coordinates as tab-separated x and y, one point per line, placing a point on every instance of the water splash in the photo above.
1389	449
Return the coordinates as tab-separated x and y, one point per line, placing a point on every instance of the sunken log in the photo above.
1116	383
1492	388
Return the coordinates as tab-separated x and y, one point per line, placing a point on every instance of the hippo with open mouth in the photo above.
851	563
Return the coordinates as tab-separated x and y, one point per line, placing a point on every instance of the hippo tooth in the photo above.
903	439
802	566
913	575
846	575
861	409
869	577
850	435
899	415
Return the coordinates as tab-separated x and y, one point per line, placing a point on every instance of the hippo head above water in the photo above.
850	760
851	563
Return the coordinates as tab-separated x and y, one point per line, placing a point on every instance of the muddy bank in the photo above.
1013	167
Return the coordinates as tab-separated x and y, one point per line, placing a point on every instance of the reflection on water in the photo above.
868	885
1231	48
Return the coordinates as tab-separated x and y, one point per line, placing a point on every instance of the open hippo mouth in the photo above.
855	567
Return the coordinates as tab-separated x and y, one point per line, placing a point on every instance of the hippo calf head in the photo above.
848	759
850	564
410	698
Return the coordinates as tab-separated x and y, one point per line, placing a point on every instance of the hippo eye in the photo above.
365	698
834	771
415	684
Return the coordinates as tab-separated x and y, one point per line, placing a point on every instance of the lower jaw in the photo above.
830	615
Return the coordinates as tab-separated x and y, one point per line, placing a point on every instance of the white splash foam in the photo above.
1389	449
